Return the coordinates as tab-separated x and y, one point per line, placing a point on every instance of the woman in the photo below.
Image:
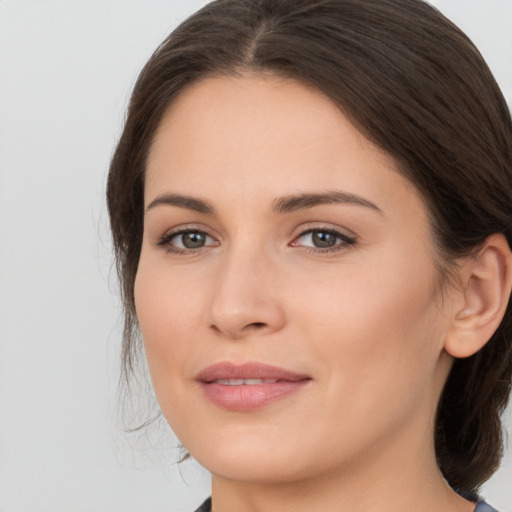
311	211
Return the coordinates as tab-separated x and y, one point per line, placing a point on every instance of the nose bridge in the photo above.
246	296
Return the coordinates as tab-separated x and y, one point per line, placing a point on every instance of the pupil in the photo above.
323	239
193	240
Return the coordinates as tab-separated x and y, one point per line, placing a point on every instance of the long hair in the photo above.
413	84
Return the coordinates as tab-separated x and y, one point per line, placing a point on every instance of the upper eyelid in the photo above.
344	238
302	230
164	241
321	226
166	237
189	228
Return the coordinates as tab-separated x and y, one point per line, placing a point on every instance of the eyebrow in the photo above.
187	202
301	201
280	205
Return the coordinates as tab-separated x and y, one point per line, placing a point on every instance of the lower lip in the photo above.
250	397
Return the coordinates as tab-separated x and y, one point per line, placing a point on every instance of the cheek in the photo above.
378	330
167	312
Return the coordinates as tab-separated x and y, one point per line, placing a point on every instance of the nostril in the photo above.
256	325
248	327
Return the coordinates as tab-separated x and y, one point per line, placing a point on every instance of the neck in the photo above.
389	477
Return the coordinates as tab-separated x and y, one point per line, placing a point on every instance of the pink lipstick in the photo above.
249	386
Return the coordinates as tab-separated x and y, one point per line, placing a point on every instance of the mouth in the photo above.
249	386
243	382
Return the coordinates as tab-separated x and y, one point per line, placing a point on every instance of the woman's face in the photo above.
285	290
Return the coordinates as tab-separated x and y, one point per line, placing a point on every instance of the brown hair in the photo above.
412	83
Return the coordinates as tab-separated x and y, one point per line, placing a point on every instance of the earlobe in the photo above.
486	282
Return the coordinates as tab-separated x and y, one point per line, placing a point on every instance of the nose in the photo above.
246	299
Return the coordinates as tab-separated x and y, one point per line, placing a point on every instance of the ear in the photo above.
486	282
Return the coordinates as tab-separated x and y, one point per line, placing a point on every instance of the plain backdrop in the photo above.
66	70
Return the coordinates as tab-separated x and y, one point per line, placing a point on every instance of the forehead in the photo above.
260	135
257	116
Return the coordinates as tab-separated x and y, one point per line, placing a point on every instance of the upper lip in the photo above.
252	370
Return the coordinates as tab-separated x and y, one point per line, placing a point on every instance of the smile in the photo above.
249	386
244	382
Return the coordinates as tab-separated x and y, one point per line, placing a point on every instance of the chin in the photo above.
262	470
258	462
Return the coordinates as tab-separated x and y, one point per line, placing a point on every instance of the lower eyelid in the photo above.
343	238
208	238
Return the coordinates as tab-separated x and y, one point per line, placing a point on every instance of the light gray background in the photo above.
66	69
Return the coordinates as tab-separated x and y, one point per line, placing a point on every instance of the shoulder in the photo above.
207	506
481	506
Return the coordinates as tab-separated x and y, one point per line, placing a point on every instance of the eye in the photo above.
186	240
323	240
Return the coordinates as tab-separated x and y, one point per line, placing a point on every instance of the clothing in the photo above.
206	506
481	506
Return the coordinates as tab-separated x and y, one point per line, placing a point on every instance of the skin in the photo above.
363	320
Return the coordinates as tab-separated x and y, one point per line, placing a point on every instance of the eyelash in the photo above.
344	241
165	240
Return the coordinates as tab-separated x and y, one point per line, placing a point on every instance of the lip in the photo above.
247	397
